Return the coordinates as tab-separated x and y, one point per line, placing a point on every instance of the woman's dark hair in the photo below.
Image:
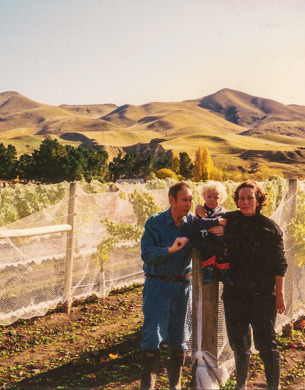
260	195
176	188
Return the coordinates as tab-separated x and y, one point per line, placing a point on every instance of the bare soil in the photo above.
97	346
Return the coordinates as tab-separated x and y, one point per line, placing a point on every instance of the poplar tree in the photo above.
175	166
208	165
198	170
203	164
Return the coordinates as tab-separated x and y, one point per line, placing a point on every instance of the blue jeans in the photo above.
164	307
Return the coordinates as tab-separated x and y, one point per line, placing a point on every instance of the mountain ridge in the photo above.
237	127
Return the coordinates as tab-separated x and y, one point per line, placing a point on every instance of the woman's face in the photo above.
247	201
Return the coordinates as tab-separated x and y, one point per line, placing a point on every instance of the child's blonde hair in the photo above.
216	186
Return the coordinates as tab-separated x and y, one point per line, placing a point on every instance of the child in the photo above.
211	247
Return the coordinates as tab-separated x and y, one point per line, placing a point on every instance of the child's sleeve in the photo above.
206	223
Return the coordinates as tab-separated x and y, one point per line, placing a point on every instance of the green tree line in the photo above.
55	163
52	163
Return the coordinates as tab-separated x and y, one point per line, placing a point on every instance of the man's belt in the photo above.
175	278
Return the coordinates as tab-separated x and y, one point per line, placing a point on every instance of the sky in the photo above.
140	51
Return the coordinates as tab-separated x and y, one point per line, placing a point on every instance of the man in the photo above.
166	253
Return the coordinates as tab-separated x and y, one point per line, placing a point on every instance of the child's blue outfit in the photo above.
212	248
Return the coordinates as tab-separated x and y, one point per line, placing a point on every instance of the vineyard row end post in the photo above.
69	249
292	197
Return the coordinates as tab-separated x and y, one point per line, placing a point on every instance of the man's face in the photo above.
182	205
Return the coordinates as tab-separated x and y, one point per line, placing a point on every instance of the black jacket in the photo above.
255	251
207	243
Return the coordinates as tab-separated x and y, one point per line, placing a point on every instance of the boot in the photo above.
151	359
208	274
242	367
272	363
176	361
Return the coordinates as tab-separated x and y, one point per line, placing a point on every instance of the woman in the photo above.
255	252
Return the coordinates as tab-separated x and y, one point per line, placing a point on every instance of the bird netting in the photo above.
212	355
108	223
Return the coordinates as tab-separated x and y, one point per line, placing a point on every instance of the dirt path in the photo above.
97	346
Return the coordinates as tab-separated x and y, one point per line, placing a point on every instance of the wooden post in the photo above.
69	249
207	311
291	212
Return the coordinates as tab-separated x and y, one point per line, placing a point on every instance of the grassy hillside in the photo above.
238	128
13	102
92	110
247	110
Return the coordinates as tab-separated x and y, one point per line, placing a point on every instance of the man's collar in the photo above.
170	220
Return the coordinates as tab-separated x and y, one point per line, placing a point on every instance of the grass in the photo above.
183	125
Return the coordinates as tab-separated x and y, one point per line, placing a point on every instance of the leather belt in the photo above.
175	278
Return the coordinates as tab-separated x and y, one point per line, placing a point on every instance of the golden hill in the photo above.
13	102
239	129
247	110
92	110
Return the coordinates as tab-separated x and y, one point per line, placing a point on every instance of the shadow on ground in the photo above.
103	368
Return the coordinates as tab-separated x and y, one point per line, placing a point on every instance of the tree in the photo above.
120	167
175	166
186	165
73	164
198	170
165	172
203	164
160	163
25	168
47	162
143	167
94	162
8	159
54	163
207	163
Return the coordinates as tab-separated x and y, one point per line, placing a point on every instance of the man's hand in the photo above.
200	211
178	244
217	230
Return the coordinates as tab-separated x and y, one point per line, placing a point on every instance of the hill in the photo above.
239	129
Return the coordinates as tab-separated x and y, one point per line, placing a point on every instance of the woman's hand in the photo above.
280	303
222	221
279	295
217	230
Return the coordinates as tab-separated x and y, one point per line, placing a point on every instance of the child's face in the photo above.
211	198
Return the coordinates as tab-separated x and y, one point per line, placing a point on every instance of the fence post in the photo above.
204	312
69	249
291	212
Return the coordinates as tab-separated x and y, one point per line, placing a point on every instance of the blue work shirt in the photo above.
159	234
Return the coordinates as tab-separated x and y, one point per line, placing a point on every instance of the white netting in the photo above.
210	348
106	251
108	226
